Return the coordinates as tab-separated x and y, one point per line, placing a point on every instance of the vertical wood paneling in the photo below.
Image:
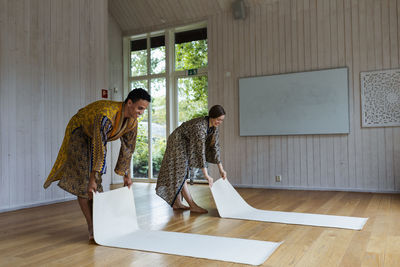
262	160
348	62
396	60
11	87
251	68
115	81
289	36
342	163
385	143
53	60
356	92
4	109
37	140
389	61
47	96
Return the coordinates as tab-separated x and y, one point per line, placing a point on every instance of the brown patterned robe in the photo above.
84	146
191	145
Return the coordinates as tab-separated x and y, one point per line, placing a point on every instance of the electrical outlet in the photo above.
278	178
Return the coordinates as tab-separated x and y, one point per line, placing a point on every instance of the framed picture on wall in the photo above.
380	98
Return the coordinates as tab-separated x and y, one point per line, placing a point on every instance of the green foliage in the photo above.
139	63
191	55
157	60
192	97
140	157
158	154
158	110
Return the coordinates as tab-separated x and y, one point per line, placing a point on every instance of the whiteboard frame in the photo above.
301	103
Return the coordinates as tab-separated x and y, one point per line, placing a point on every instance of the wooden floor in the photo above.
56	235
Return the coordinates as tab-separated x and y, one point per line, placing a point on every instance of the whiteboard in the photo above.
314	102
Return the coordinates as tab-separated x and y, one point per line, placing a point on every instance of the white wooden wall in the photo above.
53	61
301	35
115	81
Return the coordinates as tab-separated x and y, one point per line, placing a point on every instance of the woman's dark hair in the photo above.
137	94
216	111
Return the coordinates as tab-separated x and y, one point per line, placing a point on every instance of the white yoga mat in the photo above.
115	225
231	205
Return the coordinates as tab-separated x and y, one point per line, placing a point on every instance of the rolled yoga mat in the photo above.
115	225
231	205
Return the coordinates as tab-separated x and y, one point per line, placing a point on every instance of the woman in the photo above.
190	146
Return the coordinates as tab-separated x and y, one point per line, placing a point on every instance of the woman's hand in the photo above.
127	180
210	181
209	178
222	172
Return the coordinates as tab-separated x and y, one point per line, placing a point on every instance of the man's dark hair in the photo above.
137	94
216	111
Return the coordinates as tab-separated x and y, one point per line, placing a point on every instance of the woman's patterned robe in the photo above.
189	146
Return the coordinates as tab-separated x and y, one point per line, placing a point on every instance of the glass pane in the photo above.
139	62
158	123
191	55
139	84
192	103
157	56
140	158
192	98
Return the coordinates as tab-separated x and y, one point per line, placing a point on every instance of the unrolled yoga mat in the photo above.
231	205
115	225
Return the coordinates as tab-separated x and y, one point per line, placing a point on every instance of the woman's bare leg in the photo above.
178	205
193	206
86	207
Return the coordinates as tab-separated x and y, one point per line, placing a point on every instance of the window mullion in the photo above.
145	77
149	136
172	101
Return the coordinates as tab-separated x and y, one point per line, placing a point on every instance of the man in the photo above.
82	157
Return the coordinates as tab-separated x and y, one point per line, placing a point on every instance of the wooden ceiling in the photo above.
135	16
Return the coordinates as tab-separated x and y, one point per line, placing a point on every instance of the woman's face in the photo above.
217	121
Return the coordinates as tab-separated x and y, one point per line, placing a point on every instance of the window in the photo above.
175	74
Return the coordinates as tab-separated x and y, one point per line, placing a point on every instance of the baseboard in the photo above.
36	204
317	188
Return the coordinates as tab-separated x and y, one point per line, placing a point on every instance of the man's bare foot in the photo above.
91	237
198	209
180	207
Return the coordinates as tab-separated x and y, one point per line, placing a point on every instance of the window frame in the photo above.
171	81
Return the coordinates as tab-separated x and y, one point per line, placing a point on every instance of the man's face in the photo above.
136	109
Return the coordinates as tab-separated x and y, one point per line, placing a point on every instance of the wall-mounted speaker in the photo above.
239	9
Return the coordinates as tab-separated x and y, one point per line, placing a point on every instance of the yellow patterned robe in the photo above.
88	125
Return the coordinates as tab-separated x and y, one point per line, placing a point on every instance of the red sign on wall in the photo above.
104	93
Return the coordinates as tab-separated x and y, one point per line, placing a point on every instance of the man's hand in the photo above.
92	187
